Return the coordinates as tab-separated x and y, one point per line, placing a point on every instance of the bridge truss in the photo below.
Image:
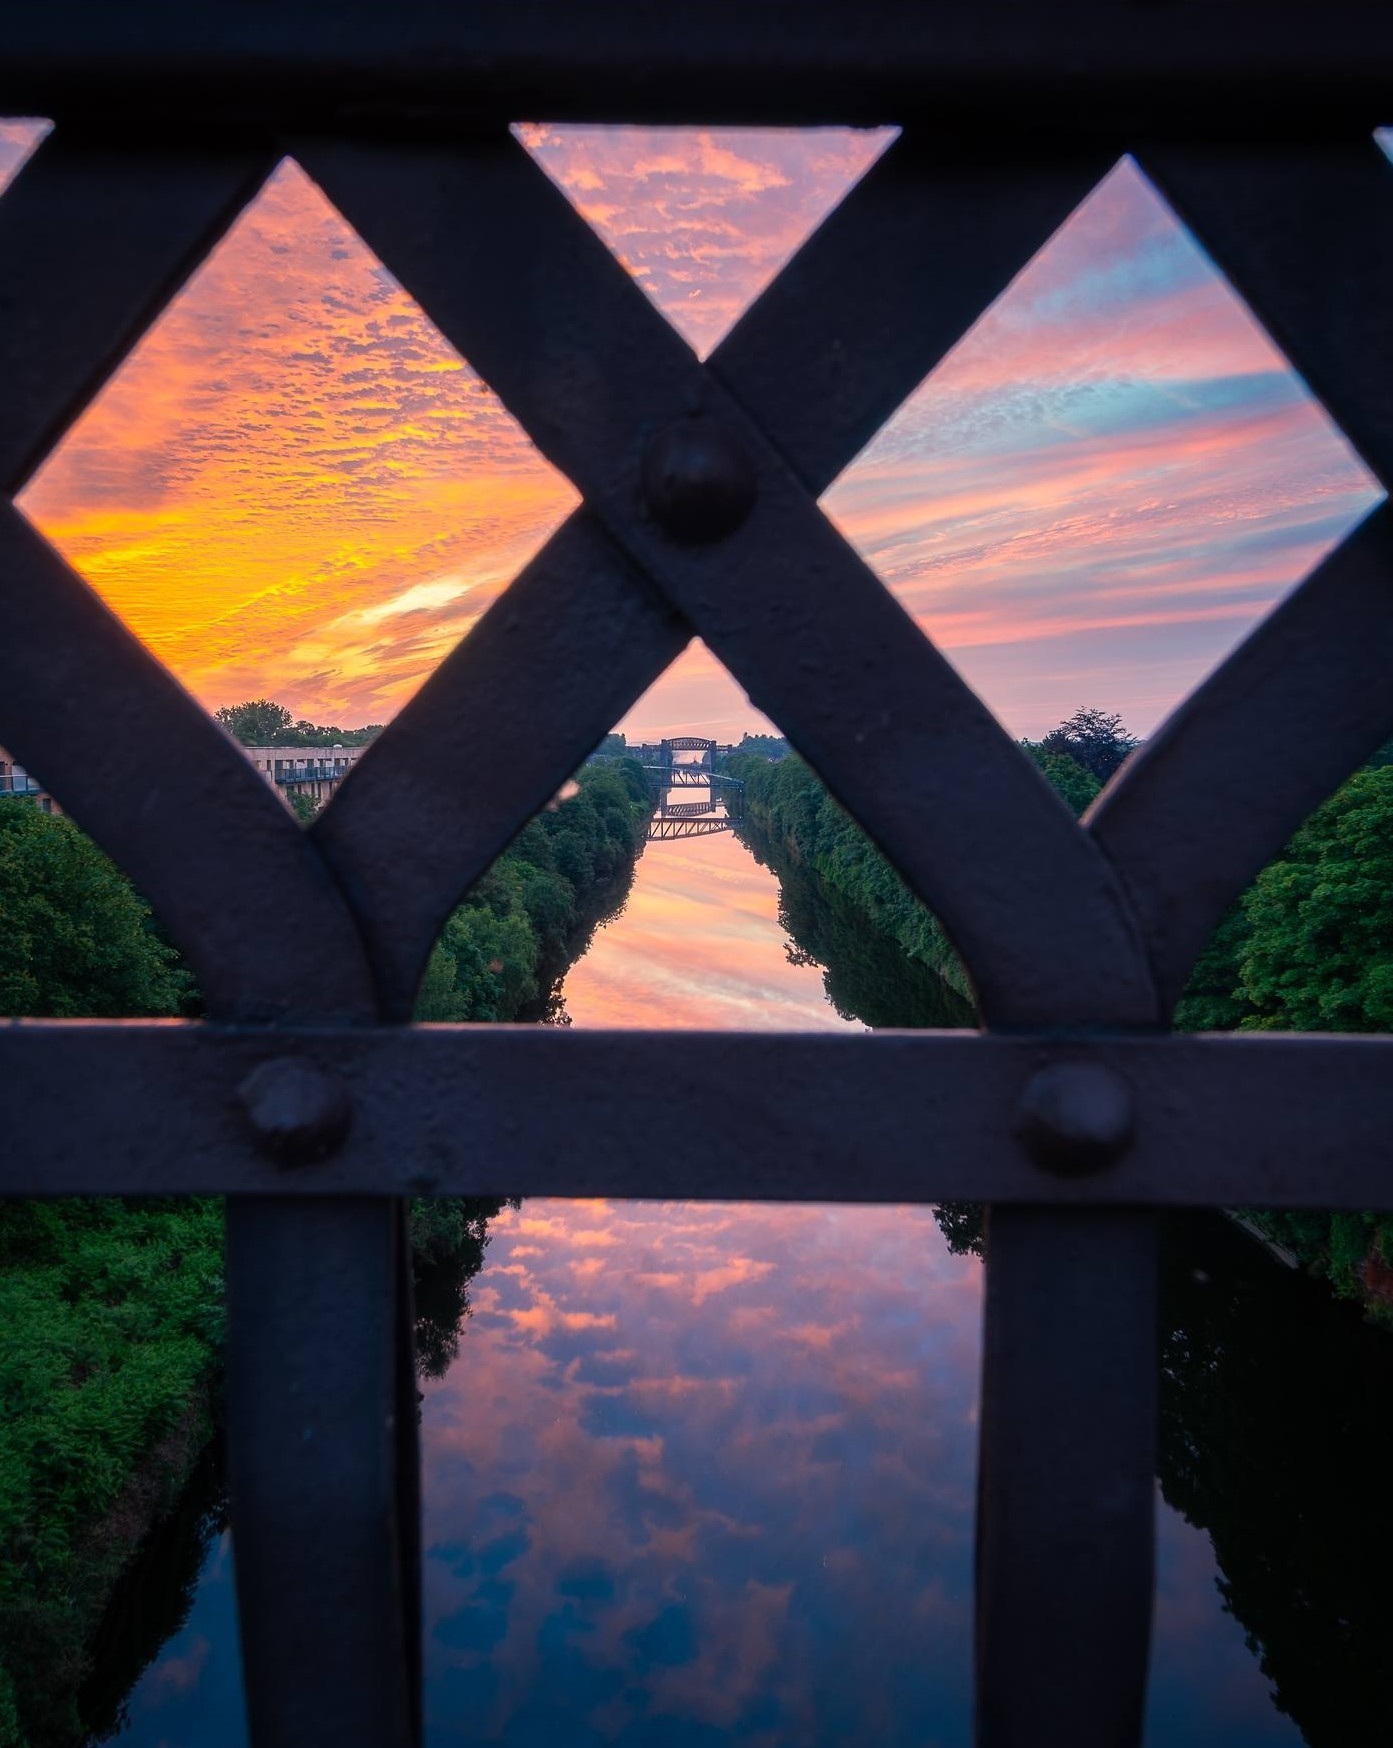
703	825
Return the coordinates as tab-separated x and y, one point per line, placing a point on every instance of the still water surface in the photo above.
704	1474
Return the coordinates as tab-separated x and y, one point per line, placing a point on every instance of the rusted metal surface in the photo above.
1074	1115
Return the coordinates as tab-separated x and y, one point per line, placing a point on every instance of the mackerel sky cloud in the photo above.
296	488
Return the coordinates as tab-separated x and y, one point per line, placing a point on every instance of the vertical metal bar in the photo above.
408	1469
325	1568
1065	1549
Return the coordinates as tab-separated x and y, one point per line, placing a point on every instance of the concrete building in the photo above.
312	771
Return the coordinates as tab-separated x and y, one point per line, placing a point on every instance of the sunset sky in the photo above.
295	488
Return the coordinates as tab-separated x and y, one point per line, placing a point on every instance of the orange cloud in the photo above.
294	486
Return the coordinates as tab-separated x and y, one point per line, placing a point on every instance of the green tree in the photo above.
1319	956
1094	739
765	746
75	939
257	723
1074	782
1309	947
261	723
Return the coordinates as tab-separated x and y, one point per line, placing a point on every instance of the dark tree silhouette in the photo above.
1093	739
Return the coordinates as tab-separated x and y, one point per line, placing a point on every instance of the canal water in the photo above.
704	1474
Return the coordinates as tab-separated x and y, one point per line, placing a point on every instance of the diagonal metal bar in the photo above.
546	673
204	824
886	286
576	639
580	357
148	214
1306	237
1197	814
1215	794
226	867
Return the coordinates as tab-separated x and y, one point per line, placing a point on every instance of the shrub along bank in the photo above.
788	801
112	1309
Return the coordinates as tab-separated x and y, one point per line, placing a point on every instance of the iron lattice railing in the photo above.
309	1101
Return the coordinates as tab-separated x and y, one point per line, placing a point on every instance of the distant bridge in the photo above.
684	763
662	827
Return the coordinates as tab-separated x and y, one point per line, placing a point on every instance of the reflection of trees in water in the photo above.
867	976
1276	1438
152	1598
155	1592
448	1238
1276	1401
602	904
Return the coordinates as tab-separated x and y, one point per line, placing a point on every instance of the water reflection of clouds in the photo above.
698	945
719	1485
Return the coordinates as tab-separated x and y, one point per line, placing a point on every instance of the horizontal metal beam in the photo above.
1081	65
532	1110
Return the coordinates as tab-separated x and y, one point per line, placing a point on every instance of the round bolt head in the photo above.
698	482
1077	1117
298	1111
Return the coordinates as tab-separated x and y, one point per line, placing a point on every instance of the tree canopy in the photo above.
76	941
1309	947
1072	781
767	746
1092	738
262	723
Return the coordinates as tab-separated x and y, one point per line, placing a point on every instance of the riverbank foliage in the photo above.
1309	948
112	1313
514	931
112	1309
75	940
788	801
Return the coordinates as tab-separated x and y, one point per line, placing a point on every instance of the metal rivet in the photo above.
698	481
1077	1117
298	1111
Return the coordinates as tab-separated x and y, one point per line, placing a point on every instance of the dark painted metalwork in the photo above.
699	484
1074	1115
1082	65
1266	1119
704	824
